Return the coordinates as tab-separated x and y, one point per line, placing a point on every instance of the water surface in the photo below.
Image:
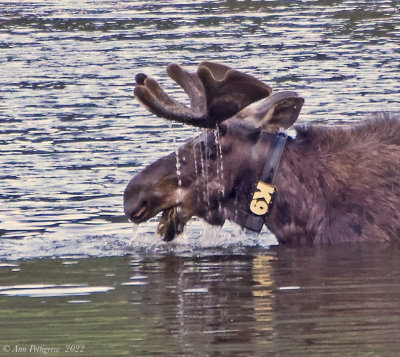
71	136
281	302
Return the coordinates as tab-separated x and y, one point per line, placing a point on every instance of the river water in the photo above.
75	273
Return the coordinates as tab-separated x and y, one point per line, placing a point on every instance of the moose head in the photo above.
213	175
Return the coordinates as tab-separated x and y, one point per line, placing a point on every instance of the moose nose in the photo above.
131	201
135	211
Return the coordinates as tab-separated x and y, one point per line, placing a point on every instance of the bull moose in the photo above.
327	184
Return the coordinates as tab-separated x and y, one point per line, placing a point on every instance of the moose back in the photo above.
330	184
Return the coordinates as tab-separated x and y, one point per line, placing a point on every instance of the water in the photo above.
280	302
71	136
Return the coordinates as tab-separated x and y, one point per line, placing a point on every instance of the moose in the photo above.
327	184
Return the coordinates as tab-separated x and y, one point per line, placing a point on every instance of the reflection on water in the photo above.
42	290
318	301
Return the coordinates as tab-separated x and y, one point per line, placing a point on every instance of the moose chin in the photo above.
328	185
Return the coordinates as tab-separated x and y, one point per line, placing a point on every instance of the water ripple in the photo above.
71	133
41	290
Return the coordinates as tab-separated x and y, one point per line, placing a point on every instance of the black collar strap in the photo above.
264	192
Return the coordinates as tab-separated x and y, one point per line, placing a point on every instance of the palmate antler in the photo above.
216	93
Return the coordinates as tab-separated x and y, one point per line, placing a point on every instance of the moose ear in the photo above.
276	112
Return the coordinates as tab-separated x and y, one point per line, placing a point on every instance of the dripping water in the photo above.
220	167
133	239
168	123
178	175
204	171
196	165
235	207
178	161
178	172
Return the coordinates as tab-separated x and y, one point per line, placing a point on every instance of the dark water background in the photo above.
71	136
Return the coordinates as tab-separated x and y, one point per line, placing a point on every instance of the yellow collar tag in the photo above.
262	199
264	193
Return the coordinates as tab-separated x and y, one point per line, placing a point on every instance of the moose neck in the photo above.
298	206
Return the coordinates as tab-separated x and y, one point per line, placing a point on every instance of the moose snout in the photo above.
142	200
136	205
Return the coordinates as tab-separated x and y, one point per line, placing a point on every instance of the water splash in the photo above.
200	238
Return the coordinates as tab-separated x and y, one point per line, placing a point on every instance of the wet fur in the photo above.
339	185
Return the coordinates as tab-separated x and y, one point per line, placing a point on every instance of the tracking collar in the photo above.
264	192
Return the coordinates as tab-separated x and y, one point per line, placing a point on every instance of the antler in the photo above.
216	93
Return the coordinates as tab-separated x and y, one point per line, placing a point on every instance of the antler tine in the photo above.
140	78
192	86
157	101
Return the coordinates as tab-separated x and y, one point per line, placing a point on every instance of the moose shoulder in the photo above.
334	184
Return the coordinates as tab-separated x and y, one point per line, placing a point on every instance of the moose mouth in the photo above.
142	214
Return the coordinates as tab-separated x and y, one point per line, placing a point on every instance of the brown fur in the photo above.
335	184
340	185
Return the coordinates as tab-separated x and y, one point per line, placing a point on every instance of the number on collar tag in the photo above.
262	198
